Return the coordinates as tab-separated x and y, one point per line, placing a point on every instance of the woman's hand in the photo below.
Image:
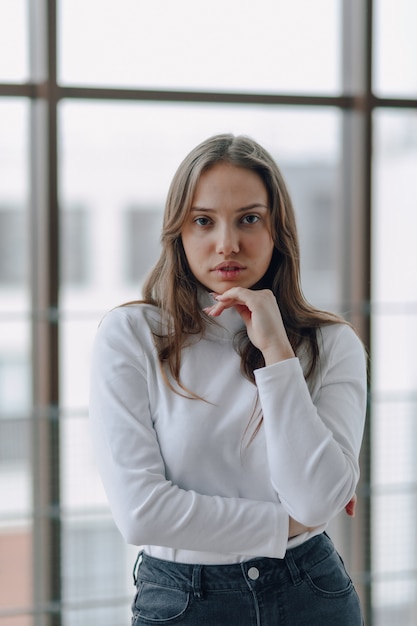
350	508
262	317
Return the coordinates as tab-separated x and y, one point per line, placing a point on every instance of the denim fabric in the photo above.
310	586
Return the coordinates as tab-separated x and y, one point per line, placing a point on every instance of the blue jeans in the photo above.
309	587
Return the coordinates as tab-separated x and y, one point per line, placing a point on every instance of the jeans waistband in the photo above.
263	570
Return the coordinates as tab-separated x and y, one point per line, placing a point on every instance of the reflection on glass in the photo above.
263	46
13	41
395	48
394	369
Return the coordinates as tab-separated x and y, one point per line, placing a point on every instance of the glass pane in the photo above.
395	48
15	361
241	45
394	288
395	585
16	572
394	369
117	161
13	41
14	224
97	572
119	179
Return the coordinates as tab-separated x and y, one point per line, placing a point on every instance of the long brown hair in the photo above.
172	287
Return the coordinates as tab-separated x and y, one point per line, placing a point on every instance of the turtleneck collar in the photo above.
225	326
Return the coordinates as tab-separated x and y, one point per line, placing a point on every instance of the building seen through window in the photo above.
130	105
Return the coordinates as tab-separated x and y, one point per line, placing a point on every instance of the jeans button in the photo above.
253	573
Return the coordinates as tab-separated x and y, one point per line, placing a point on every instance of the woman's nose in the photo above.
227	241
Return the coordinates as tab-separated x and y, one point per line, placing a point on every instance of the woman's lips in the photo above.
229	265
228	270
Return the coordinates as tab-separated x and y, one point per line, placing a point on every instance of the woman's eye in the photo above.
202	221
250	219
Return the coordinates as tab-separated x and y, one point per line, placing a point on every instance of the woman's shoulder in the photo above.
135	320
339	333
340	341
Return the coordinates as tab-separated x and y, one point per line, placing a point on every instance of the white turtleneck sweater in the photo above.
182	477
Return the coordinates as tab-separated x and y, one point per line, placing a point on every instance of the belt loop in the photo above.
293	568
196	581
136	567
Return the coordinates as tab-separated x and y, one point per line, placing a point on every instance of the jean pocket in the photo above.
157	604
329	577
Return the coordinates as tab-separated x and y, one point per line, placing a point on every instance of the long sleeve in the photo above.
314	435
147	507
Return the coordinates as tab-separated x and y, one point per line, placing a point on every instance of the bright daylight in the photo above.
248	468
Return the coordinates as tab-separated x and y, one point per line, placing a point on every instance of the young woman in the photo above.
228	413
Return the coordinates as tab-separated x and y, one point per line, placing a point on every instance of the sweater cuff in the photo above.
279	371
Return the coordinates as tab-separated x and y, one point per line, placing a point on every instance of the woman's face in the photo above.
227	235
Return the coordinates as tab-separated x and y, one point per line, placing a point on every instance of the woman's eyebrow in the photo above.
240	210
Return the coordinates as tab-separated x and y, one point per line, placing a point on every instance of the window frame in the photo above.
358	104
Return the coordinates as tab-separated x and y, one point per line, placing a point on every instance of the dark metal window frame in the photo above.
44	93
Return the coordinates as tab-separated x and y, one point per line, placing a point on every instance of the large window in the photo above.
394	306
99	102
243	47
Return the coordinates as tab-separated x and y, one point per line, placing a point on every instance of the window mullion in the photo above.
45	289
356	237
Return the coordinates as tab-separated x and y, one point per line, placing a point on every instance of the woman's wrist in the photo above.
276	354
